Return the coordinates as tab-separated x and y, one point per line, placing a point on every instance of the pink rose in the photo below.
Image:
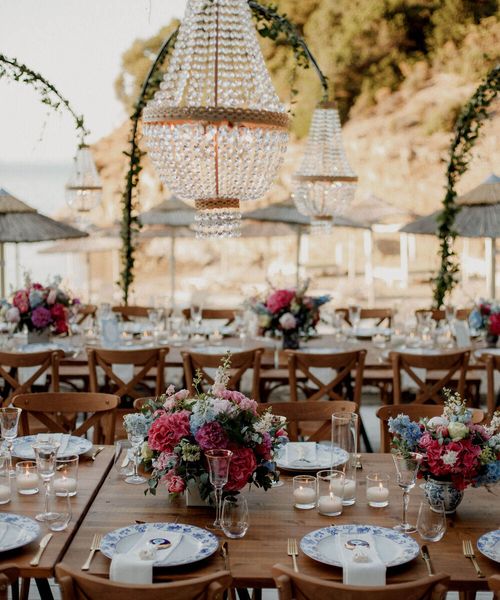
21	301
170	390
168	430
174	483
181	395
241	400
288	321
241	467
212	435
279	299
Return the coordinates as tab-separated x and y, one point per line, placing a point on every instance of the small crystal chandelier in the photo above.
216	130
325	183
84	187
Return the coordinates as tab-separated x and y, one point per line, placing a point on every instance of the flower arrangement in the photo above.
486	316
39	307
453	448
178	429
285	310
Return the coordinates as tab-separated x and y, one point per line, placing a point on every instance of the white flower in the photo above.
450	458
288	321
436	422
457	430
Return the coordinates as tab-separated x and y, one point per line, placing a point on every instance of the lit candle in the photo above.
304	495
345	488
330	505
65	484
377	493
215	336
4	494
26	480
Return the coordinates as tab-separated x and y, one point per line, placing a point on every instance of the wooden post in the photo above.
172	270
2	270
490	255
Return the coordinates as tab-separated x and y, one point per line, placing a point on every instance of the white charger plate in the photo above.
21	531
489	545
23	447
393	548
323	459
196	543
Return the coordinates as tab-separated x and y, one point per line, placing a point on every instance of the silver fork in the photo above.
293	551
96	542
469	553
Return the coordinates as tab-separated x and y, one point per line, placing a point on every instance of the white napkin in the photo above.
10	534
136	565
300	453
362	565
55	438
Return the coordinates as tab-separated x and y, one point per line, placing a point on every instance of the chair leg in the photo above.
44	589
15	589
365	437
25	588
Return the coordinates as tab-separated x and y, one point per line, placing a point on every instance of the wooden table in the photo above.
273	519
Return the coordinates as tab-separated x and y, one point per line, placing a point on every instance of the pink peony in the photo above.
168	430
21	301
211	435
279	299
163	459
13	315
288	321
241	467
41	317
241	400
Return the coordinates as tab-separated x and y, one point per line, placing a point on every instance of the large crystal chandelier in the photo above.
84	187
325	183
216	130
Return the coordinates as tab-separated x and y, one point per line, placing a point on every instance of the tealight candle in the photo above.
330	492
330	505
346	489
26	478
304	491
66	476
377	493
65	485
4	493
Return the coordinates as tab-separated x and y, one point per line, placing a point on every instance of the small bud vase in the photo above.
445	492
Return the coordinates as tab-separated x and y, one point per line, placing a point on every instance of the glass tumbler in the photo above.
234	520
431	521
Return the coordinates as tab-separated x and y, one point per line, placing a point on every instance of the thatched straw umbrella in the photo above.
20	223
479	217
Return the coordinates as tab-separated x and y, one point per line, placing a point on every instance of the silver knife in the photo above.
44	542
424	552
98	451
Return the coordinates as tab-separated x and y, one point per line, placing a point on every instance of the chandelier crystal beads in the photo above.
325	183
84	187
216	130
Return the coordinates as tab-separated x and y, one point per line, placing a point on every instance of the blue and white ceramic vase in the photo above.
445	492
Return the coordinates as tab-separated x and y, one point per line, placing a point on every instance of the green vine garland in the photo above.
12	69
270	24
467	129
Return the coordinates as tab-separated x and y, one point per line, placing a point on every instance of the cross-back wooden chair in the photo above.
213	313
494	583
9	576
56	412
39	363
84	311
296	586
129	313
381	316
439	314
444	366
317	413
146	362
241	362
492	362
76	585
415	412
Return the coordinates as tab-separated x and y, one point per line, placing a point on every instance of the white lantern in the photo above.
84	187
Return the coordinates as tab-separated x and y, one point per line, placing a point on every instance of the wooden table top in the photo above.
90	477
273	520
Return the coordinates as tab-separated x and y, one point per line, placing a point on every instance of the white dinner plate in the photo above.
393	548
23	447
16	531
367	333
196	543
222	349
481	351
323	459
489	545
322	350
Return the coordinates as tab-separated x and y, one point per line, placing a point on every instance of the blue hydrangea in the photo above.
491	474
202	412
36	298
476	319
137	424
407	430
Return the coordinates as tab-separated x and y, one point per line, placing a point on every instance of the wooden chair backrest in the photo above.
213	313
415	412
84	311
380	315
43	362
492	362
51	408
145	360
9	574
309	412
76	585
494	583
451	363
129	313
296	586
439	314
240	363
342	365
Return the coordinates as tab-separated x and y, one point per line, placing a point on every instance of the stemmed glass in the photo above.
9	421
354	316
45	455
136	441
406	475
218	466
196	313
431	521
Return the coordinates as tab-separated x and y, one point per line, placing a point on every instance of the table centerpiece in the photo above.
289	313
456	453
486	317
40	309
179	428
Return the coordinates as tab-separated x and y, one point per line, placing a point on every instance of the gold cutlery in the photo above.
424	553
98	451
96	542
469	553
293	551
44	542
358	462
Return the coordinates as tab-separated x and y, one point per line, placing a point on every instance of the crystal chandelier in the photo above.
84	187
325	183
216	130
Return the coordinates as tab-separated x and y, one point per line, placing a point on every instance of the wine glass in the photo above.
9	421
406	475
136	441
431	521
234	519
45	455
196	314
218	465
354	316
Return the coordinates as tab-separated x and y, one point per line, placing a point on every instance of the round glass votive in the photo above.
377	490
66	476
27	481
304	491
330	492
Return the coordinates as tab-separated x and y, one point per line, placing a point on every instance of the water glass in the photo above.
124	458
45	454
4	477
62	512
66	476
355	316
9	421
234	520
431	521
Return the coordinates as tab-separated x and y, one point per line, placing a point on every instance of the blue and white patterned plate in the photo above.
196	543
22	447
393	548
489	545
323	459
16	531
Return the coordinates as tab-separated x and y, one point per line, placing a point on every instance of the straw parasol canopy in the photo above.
374	210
